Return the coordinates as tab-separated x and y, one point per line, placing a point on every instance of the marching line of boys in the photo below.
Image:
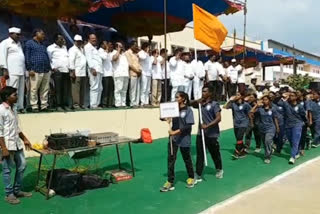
273	119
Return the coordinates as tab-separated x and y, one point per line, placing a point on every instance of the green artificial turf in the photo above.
141	194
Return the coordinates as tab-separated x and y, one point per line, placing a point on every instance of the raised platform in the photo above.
125	122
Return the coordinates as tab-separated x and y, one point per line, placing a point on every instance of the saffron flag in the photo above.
208	29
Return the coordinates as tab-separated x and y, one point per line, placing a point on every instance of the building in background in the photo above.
185	40
310	67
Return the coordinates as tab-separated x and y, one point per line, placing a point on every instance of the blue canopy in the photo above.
287	54
145	17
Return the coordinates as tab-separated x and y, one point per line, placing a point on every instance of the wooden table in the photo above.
55	153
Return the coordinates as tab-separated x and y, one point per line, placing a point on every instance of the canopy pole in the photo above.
234	43
165	47
245	29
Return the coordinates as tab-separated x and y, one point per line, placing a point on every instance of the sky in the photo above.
288	21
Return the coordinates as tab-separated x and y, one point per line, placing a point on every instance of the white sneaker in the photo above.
257	150
267	161
219	174
198	179
297	156
291	161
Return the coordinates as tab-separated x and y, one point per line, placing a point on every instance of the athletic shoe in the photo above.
291	161
23	194
239	155
257	150
198	179
219	174
247	150
190	182
267	161
11	199
315	145
297	156
167	187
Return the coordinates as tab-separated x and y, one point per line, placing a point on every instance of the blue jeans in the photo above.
279	138
317	132
16	161
294	135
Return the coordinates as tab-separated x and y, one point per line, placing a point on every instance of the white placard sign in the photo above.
169	110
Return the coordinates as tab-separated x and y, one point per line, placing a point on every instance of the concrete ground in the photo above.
295	193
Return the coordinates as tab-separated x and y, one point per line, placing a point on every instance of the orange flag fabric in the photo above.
208	29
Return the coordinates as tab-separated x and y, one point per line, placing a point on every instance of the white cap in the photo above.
77	38
14	30
233	60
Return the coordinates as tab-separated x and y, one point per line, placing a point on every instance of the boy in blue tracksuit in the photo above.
181	138
295	116
211	116
268	124
313	110
240	112
279	138
254	126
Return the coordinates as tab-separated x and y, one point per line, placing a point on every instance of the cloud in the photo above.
288	21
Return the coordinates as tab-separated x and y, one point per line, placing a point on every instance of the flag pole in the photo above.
203	138
245	29
200	113
165	47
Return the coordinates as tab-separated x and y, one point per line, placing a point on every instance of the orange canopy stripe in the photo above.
208	29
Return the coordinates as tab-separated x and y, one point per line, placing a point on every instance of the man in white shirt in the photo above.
232	74
146	65
241	77
177	73
120	67
156	61
78	68
215	74
199	77
12	147
12	61
107	97
95	71
165	78
275	88
59	60
189	75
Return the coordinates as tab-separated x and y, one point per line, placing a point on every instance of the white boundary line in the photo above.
218	206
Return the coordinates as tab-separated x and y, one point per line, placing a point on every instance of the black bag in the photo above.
93	182
65	183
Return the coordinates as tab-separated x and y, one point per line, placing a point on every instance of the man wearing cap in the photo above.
95	70
232	74
12	61
38	65
78	66
59	59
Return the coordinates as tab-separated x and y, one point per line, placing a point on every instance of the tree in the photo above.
298	81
